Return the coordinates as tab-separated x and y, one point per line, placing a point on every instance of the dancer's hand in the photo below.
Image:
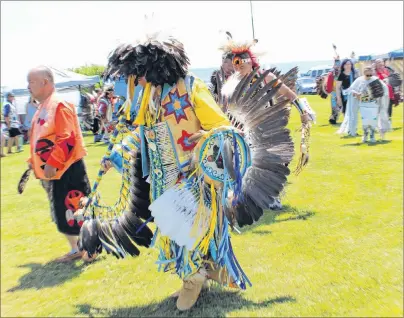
357	95
83	201
106	165
196	136
50	171
305	118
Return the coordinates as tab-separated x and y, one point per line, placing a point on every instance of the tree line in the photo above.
89	70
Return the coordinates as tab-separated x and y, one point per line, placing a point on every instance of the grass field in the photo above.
335	250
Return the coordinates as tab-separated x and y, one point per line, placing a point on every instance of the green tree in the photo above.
90	70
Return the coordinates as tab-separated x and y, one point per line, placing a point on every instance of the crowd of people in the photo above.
196	161
99	110
177	120
372	94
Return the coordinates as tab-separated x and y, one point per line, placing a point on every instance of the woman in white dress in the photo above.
369	96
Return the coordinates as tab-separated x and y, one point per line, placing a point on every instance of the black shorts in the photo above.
14	132
63	195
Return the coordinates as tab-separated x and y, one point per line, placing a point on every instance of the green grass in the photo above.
335	250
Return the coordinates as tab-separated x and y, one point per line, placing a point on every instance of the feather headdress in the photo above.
242	51
336	57
157	55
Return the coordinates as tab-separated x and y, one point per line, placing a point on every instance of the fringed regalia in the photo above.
242	52
326	85
372	106
186	167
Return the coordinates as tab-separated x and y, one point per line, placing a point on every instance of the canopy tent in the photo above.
67	84
394	59
63	79
380	56
397	54
365	58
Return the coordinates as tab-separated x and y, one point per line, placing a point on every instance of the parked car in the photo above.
306	85
317	71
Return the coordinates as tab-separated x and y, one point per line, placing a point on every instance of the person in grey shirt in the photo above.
30	109
12	123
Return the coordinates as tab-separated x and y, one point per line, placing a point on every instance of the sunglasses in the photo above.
239	61
368	75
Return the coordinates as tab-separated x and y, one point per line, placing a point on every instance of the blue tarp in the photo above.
397	54
365	58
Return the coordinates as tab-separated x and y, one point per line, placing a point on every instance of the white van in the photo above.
317	71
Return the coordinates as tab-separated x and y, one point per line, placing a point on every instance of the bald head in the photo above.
41	83
43	72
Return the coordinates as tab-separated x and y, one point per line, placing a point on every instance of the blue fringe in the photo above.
145	166
143	225
226	258
153	242
239	178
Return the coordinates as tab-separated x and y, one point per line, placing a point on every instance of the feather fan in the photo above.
269	139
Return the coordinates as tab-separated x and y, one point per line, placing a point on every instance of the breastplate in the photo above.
164	170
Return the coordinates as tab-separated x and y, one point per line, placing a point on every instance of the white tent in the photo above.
67	84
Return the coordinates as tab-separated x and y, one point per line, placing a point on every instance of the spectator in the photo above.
56	156
98	93
105	110
3	140
97	118
12	123
30	109
345	79
383	73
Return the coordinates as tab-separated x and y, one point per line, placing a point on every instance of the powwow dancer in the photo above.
205	175
56	156
245	61
225	71
326	85
369	96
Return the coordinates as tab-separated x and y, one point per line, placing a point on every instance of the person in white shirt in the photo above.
12	123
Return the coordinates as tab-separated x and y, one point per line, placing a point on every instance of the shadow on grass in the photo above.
262	232
287	213
329	124
397	128
48	275
351	137
381	142
293	214
377	143
213	303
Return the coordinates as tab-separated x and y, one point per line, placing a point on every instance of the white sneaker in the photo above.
381	136
365	138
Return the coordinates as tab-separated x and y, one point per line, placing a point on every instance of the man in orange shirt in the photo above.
56	155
